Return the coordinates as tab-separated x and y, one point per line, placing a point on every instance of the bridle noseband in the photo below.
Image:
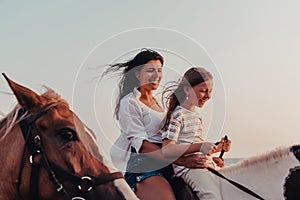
38	158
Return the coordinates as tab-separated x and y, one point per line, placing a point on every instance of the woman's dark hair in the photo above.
191	77
128	79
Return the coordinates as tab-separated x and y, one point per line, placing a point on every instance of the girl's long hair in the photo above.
174	93
128	79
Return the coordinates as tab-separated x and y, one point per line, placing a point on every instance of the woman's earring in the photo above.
187	97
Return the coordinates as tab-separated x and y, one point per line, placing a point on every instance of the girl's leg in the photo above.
154	187
204	183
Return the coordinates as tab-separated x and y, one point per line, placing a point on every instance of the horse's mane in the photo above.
273	155
11	119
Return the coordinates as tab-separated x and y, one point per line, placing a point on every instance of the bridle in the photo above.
39	159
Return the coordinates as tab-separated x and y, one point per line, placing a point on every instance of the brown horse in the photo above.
48	153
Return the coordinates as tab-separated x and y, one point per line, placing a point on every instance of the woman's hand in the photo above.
219	161
195	160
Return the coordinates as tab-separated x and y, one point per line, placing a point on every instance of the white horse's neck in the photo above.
263	174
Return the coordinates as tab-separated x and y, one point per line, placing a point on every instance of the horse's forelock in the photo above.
51	96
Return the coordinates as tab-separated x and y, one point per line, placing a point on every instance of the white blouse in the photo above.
138	122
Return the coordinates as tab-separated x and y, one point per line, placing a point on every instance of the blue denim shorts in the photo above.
140	167
133	178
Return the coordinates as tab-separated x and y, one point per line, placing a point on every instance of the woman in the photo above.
140	116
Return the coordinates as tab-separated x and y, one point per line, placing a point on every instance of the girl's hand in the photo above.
219	161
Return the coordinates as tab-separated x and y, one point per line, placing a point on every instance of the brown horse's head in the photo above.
54	144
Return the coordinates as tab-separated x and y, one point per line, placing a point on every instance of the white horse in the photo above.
274	175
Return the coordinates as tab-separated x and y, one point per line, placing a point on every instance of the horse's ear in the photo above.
26	97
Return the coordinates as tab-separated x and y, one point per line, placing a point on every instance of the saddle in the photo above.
181	190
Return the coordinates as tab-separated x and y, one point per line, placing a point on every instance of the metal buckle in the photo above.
37	139
60	188
31	157
86	179
78	198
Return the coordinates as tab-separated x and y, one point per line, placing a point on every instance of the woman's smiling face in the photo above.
150	75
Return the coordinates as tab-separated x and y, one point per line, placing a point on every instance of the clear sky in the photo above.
251	47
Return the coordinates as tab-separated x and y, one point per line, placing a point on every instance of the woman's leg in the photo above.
154	187
204	183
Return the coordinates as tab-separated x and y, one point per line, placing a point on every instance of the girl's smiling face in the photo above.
201	93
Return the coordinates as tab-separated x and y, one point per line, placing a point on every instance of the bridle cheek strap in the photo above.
37	156
38	159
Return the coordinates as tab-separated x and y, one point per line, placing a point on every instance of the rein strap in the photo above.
238	185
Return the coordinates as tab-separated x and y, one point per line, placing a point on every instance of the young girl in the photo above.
182	132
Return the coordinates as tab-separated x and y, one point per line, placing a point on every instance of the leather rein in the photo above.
39	159
237	185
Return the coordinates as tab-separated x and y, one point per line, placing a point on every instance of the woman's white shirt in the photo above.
138	122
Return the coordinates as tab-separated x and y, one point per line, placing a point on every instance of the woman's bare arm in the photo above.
171	149
190	161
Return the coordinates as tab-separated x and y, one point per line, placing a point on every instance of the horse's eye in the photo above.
68	134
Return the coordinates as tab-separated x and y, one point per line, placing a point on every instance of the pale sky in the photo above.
251	47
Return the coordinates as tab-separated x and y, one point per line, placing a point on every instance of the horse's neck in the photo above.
11	137
264	176
10	157
9	121
12	141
